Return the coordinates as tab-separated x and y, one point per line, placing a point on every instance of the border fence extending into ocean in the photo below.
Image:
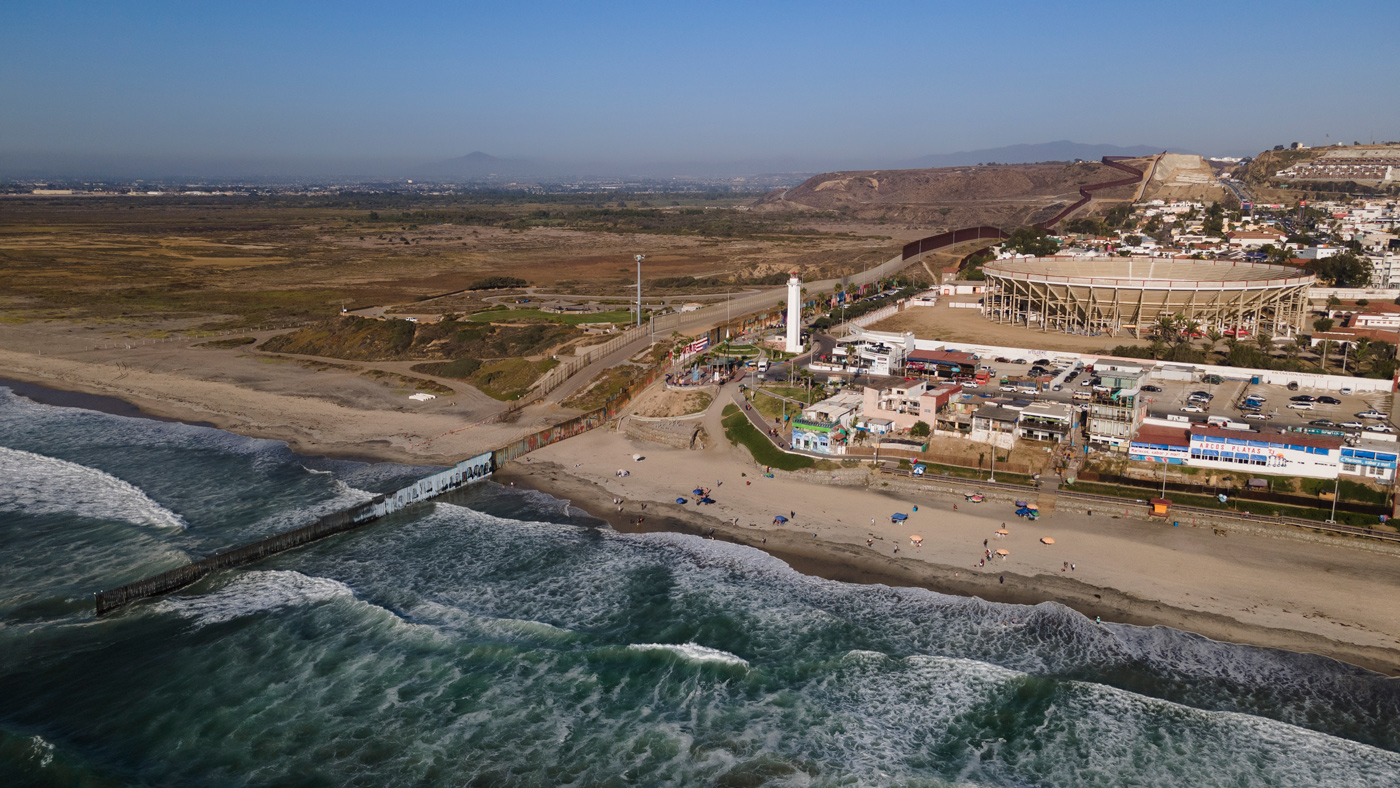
427	488
348	519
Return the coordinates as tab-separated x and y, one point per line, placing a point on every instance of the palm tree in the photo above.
1189	329
1165	328
1158	348
1360	350
1214	336
1265	339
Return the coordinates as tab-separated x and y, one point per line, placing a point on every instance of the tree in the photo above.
1333	301
1165	328
1323	324
1342	270
1214	336
1214	223
920	429
1362	302
1033	241
1265	339
1360	350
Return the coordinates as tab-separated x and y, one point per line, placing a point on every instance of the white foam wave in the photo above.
255	592
692	652
39	484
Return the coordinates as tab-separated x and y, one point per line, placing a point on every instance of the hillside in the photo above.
1005	195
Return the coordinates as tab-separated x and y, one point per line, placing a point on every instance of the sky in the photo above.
302	85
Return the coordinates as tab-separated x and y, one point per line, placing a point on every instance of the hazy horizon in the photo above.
360	90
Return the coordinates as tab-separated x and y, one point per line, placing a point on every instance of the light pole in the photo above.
639	258
1336	493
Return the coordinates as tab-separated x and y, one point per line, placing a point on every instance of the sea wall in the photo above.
667	432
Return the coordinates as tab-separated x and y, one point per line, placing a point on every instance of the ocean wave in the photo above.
38	484
256	592
692	652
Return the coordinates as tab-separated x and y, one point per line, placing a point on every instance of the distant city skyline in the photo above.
358	89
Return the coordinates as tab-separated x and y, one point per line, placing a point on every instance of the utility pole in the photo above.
639	258
1336	493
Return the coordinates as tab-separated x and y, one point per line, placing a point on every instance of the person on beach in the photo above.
869	542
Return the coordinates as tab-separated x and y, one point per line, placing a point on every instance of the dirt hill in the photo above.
998	194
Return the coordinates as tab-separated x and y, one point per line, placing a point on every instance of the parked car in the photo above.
1086	382
1193	409
1257	416
1011	389
1205	394
1019	361
1056	387
1303	398
1102	389
1329	400
1370	414
1153	389
1300	406
1002	360
1346	391
1386	428
1322	423
1352	425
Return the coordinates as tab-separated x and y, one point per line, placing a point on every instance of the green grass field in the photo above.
519	315
739	431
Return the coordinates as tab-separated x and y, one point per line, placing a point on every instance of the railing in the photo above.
1199	510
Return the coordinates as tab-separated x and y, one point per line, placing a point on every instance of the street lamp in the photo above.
1336	493
639	258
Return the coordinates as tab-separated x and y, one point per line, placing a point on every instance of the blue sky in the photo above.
660	81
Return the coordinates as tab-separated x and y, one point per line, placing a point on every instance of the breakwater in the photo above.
425	489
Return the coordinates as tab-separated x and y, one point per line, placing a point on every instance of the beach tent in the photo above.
898	517
1047	540
916	539
1003	532
780	519
1003	551
706	499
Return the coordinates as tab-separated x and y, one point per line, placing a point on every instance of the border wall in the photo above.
427	488
1086	192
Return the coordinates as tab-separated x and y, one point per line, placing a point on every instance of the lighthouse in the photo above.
794	315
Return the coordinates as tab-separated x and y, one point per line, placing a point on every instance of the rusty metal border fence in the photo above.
1086	192
578	424
953	237
427	488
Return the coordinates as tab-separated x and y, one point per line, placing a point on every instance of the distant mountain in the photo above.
477	166
1064	150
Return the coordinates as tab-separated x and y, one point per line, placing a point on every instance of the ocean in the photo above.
503	638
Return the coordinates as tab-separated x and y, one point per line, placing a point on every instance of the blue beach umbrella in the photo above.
780	519
680	500
899	517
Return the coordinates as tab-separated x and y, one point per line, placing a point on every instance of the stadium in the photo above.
1115	295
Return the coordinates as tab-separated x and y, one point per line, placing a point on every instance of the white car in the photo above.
1087	382
1300	406
1370	414
1386	428
1351	425
1257	416
1101	389
1011	389
1193	409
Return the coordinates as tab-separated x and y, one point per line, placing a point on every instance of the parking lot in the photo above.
1227	397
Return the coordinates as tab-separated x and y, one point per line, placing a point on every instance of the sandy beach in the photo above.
1265	586
1260	586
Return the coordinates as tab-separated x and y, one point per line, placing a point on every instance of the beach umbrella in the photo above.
637	457
780	519
915	538
707	499
1003	531
899	517
1019	504
680	500
699	491
1003	551
1047	540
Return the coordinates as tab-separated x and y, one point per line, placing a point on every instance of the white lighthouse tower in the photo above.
794	315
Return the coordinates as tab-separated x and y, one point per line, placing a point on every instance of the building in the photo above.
995	425
1116	414
1170	445
842	409
1253	239
1279	453
1046	421
906	404
822	437
1370	460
